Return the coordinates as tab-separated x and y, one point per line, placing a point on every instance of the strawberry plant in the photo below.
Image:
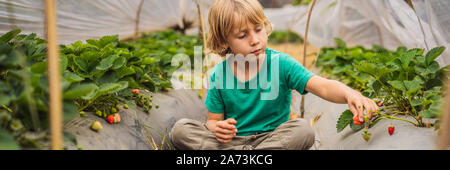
97	76
406	82
336	63
24	87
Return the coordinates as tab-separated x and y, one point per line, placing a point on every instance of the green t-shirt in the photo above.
262	103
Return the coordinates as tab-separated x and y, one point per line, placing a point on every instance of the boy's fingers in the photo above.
223	141
360	109
224	137
231	121
226	125
353	110
225	131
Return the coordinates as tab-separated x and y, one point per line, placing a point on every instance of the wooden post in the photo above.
138	16
302	105
381	36
53	76
202	24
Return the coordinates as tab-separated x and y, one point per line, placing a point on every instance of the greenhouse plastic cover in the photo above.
390	23
86	19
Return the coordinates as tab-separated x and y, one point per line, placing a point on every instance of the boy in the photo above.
245	110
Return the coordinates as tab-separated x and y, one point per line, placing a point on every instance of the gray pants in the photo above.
295	134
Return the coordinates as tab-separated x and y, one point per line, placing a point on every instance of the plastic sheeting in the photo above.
86	19
137	128
390	23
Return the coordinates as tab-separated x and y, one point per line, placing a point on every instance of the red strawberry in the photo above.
136	91
356	121
391	129
110	119
380	103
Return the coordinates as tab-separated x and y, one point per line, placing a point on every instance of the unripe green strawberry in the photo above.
366	135
96	126
99	113
125	106
114	110
82	113
116	118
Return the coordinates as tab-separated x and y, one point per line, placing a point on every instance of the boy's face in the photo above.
248	39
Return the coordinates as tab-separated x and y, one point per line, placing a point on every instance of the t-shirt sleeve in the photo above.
296	75
214	101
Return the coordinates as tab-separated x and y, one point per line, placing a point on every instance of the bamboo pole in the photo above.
381	36
202	25
53	76
138	16
311	7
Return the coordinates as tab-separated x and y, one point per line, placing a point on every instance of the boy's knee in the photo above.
182	131
302	135
178	129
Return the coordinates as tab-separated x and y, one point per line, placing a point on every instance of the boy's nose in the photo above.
254	41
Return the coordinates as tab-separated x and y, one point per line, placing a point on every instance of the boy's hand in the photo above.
357	103
225	130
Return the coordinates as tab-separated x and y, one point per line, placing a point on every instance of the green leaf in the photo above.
433	54
70	110
69	138
79	90
340	43
409	87
124	71
109	88
72	77
414	85
4	49
121	61
64	62
107	63
356	127
10	35
344	120
108	77
372	69
4	99
418	101
39	68
148	60
7	141
398	85
407	57
87	61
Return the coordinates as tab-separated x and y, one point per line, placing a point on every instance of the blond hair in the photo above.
222	16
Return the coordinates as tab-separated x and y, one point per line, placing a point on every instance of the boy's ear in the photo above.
224	46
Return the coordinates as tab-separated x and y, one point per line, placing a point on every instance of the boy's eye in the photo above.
242	36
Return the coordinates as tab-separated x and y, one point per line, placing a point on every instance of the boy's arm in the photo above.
337	92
